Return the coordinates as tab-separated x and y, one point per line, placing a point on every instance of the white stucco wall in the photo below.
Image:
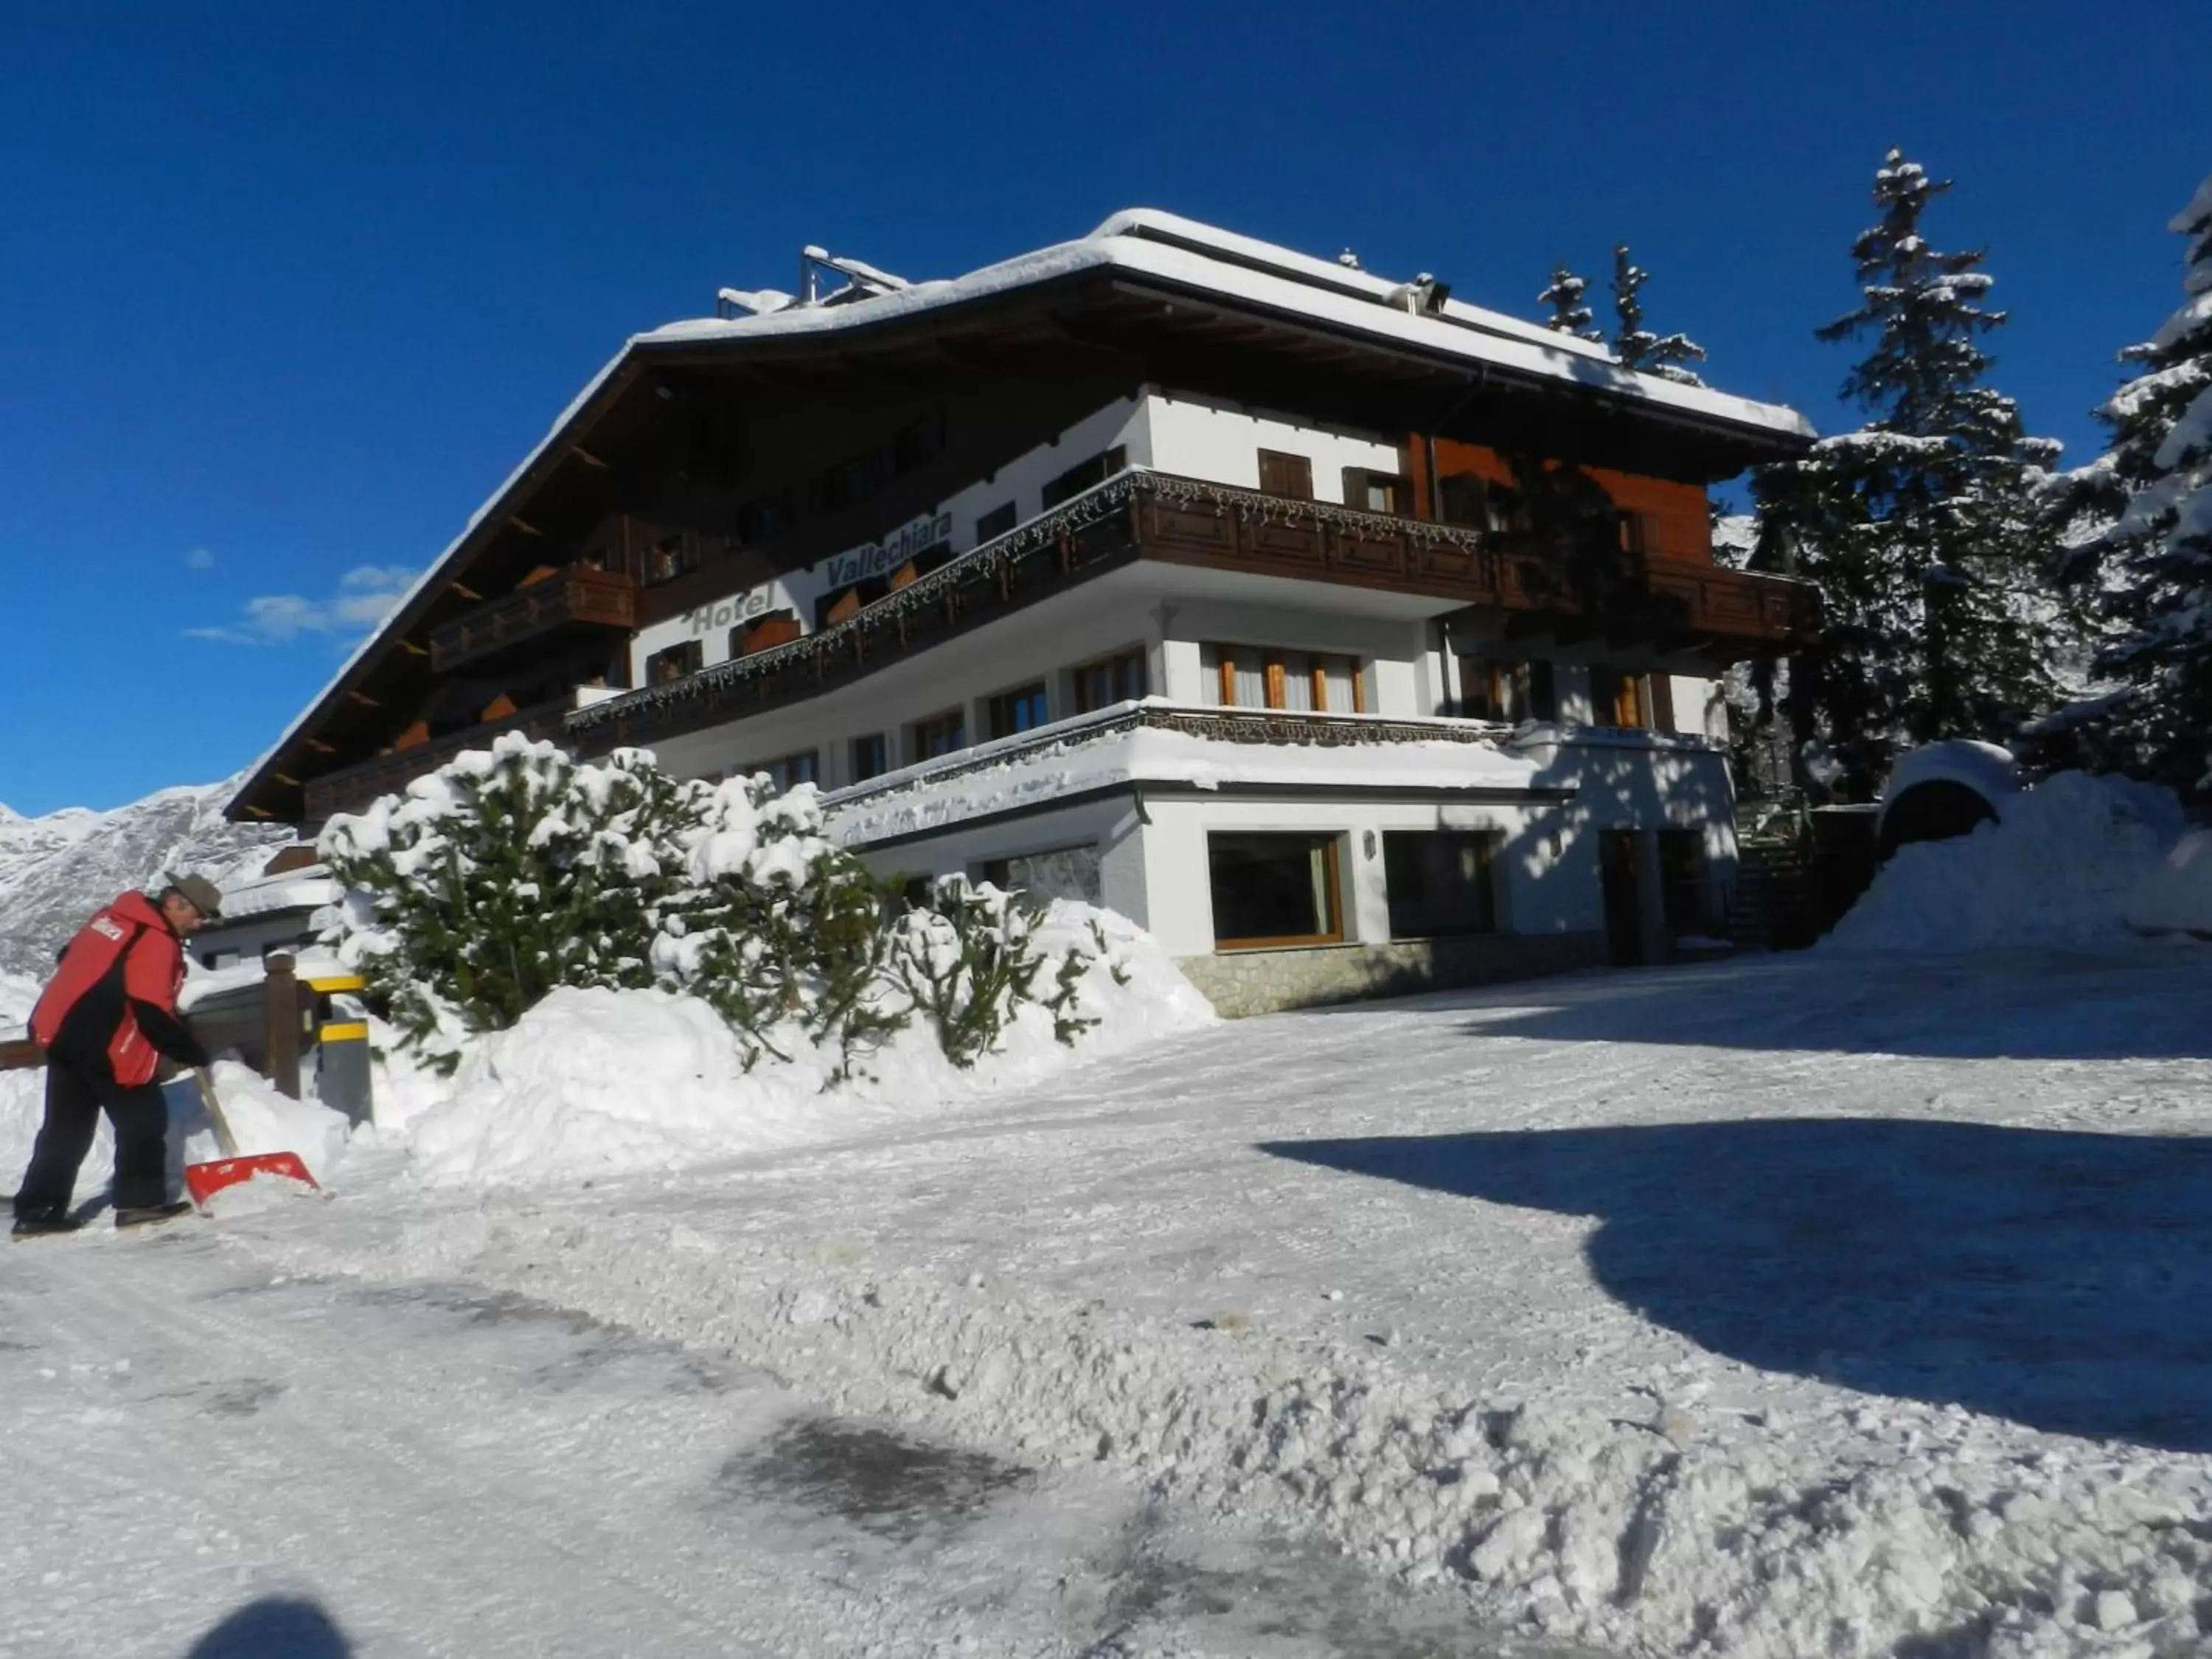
1200	439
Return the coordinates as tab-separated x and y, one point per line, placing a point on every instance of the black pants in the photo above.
75	1098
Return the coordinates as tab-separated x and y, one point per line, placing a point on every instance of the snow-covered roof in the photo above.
1166	248
1143	241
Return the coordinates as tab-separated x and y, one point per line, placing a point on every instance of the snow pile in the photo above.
2057	870
594	1082
2176	895
260	1120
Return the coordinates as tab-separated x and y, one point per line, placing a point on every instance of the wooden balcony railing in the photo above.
1151	515
350	788
579	596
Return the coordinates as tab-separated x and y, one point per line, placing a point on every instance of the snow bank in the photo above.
260	1119
595	1083
2058	870
2175	896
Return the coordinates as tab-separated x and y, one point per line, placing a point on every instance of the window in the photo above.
935	557
1636	702
670	557
997	522
1639	532
675	662
1507	691
1442	883
1370	491
1267	677
1288	476
1462	499
1070	872
944	734
1084	474
772	627
1274	889
1478	504
846	602
1021	709
785	770
871	758
1117	678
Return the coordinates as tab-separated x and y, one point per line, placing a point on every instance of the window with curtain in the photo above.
1268	676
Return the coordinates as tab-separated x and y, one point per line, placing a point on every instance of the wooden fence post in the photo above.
280	1027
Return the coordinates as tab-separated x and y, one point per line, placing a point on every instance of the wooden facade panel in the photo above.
1455	561
1203	532
1292	543
1367	554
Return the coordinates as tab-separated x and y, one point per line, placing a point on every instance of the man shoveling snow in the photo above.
106	1021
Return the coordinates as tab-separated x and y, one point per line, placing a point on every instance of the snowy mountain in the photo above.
56	870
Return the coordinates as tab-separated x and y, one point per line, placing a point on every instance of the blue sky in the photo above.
287	289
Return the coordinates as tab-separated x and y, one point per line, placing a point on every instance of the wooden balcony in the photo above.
581	596
1685	608
350	788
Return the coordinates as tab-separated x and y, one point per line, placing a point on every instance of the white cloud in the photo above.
365	598
198	558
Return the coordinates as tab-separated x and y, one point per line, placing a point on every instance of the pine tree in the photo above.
1920	528
1571	315
2142	514
1637	346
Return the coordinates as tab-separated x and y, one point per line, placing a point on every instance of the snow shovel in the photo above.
204	1180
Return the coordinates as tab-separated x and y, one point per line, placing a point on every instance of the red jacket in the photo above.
112	1008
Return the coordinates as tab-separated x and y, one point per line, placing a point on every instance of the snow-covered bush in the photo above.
513	872
784	934
970	960
504	874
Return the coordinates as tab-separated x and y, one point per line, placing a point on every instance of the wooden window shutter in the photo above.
1359	686
1319	673
1228	670
1663	701
1288	476
1275	699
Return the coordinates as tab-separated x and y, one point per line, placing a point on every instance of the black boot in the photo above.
143	1215
37	1226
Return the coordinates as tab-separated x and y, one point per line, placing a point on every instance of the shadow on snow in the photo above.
275	1627
2145	1002
2063	1280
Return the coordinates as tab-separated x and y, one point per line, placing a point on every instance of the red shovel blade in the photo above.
204	1180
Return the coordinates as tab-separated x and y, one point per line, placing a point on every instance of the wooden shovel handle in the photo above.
223	1135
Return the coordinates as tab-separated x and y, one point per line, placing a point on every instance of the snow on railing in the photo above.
1286	727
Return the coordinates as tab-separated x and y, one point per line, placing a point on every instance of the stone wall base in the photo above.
1242	983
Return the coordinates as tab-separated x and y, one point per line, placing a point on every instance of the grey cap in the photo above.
203	895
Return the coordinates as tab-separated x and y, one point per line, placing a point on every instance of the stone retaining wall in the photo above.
1242	983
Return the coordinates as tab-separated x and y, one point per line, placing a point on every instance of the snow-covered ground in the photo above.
1811	1305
